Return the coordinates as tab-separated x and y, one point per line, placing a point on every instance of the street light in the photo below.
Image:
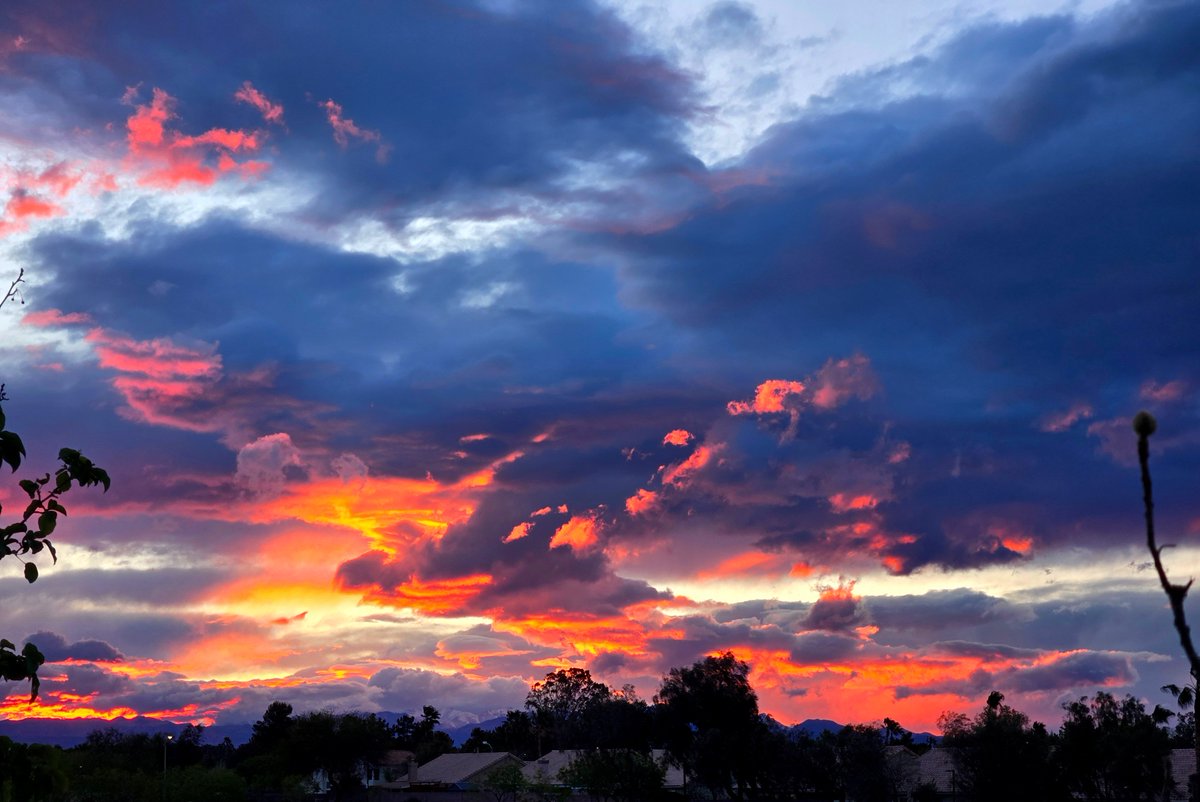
166	740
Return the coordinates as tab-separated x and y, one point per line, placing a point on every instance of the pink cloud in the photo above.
841	379
1165	392
271	112
345	129
1061	421
845	502
158	376
159	358
171	158
54	317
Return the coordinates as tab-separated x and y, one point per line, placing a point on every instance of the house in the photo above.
936	769
392	766
463	771
902	769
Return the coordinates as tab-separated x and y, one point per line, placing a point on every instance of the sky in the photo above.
435	346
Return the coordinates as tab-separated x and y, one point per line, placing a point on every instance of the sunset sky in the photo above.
433	346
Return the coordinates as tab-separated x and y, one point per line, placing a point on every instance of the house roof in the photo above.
937	766
450	769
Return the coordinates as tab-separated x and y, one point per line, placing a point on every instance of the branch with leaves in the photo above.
30	534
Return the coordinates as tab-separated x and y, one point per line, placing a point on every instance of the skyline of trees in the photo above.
705	716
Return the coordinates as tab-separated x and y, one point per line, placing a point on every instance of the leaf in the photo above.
1	417
31	573
47	521
53	552
11	449
62	481
29	486
54	505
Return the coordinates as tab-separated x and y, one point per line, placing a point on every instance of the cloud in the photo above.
580	533
264	465
56	648
345	129
272	112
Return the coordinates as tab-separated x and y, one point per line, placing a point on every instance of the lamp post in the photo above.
166	740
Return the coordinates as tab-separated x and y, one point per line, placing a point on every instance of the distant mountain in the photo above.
815	726
72	732
462	733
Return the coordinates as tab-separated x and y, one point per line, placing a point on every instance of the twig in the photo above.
14	289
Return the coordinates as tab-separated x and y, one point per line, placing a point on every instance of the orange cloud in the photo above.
844	502
680	473
437	597
580	533
519	531
392	513
677	437
641	502
744	563
769	397
582	634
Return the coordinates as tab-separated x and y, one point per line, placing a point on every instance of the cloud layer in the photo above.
421	375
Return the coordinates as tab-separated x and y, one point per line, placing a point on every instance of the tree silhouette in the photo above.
711	723
1144	425
561	704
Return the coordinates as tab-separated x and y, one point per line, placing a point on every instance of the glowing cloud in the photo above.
519	531
580	533
770	397
681	472
641	502
169	158
678	437
271	112
46	318
345	129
